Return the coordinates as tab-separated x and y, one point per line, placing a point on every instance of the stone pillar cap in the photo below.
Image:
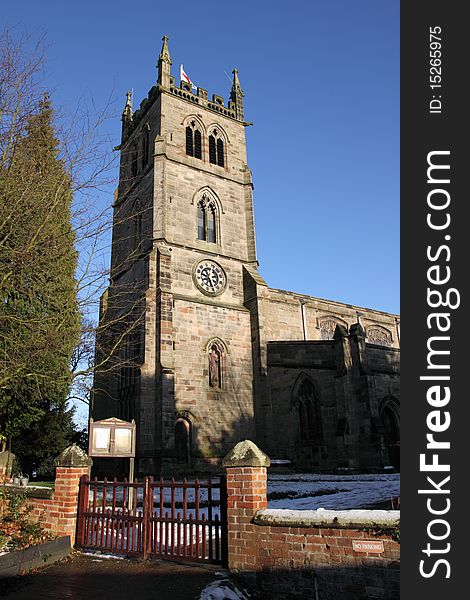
246	454
73	456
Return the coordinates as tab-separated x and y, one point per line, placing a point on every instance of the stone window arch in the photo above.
375	334
307	405
389	411
193	133
207	219
217	146
183	440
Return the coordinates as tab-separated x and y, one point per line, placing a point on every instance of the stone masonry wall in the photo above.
309	558
221	417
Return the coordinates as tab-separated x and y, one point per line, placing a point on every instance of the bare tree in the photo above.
89	163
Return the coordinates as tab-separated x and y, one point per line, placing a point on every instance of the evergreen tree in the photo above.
39	317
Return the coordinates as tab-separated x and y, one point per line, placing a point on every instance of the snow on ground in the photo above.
222	589
327	518
339	492
98	556
292	491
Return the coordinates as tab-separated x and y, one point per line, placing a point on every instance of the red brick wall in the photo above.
305	546
246	493
299	562
59	513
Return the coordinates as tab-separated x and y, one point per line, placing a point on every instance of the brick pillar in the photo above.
70	466
246	493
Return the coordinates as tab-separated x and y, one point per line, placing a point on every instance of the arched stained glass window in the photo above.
211	223
201	221
309	413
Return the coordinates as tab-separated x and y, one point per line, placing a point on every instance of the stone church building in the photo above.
204	352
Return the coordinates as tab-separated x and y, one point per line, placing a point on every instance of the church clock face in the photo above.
210	277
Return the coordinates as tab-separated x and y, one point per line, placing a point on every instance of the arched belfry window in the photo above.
216	148
193	140
308	410
207	220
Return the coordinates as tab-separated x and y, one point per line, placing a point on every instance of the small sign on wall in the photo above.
373	546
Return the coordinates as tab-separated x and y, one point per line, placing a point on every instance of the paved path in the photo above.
94	578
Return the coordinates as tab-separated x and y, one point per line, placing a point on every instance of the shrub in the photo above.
17	529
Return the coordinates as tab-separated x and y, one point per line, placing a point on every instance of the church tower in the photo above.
183	231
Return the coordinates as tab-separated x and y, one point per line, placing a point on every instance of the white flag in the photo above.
184	77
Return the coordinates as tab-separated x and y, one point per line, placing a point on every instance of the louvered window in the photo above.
189	142
212	150
193	140
197	144
216	149
220	152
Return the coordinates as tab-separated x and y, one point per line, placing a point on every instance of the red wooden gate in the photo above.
177	520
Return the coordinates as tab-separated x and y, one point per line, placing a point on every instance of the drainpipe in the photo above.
303	302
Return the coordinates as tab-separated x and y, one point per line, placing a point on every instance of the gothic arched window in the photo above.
207	220
193	140
216	148
308	410
183	440
390	416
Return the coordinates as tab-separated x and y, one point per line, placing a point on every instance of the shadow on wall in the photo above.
204	434
325	582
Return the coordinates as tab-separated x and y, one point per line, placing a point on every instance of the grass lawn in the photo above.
49	484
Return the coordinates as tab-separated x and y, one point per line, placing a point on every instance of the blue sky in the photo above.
321	83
